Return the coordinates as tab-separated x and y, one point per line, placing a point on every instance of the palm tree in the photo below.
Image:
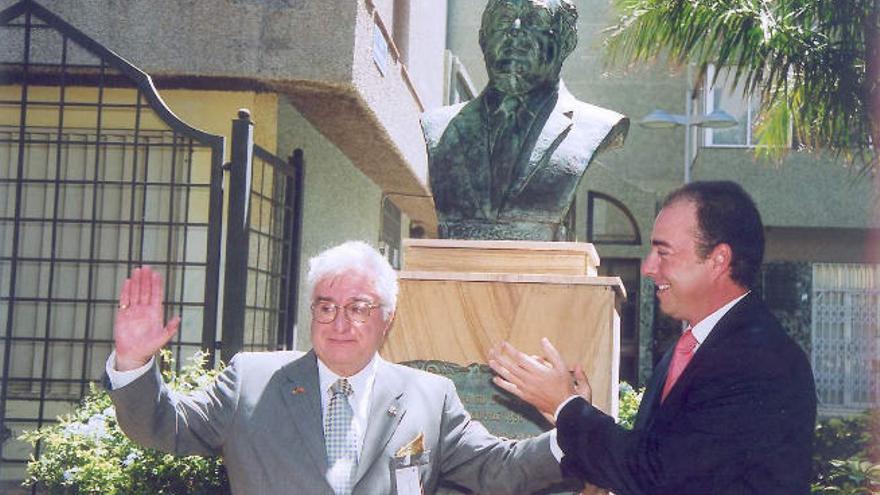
815	63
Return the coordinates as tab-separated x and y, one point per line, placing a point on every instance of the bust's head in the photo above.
524	42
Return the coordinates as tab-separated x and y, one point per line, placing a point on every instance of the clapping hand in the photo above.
139	331
544	383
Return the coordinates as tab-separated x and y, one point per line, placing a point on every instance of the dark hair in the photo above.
726	214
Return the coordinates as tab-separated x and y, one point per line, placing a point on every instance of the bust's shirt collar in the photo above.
530	102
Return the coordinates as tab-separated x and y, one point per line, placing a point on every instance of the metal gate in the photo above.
846	337
262	245
97	176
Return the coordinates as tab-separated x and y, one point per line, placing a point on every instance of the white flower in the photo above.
95	428
71	429
70	473
130	458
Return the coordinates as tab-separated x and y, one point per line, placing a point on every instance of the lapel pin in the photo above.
392	411
297	391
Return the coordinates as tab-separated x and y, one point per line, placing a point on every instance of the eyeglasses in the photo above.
355	311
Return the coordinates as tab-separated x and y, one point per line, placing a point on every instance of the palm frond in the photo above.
807	59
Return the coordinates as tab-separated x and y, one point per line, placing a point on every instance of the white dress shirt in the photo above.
119	379
362	391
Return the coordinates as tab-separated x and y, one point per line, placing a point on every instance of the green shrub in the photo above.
840	438
87	453
854	476
841	459
629	404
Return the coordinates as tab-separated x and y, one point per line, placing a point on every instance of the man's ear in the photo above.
721	257
388	323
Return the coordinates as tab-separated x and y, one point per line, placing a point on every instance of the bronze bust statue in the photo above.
506	164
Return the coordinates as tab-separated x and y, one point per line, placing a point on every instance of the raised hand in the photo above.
544	383
139	331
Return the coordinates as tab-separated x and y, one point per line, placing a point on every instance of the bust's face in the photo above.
520	45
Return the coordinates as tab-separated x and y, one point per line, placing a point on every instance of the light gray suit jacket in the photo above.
263	415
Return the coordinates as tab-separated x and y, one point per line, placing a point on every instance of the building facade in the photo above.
819	212
344	82
100	173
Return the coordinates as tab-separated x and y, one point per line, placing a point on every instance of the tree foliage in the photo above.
814	62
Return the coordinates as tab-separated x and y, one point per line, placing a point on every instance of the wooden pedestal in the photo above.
515	257
467	296
459	298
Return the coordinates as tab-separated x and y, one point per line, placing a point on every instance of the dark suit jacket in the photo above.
739	420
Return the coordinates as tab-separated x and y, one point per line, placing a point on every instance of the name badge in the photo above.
407	481
406	473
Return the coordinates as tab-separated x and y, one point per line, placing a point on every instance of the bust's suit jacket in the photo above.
263	415
562	140
739	420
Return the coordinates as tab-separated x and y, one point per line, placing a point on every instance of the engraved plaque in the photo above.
502	413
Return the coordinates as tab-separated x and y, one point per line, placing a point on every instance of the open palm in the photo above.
139	331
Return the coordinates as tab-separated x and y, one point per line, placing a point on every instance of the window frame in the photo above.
709	105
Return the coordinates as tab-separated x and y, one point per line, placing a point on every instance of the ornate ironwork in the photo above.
846	343
97	175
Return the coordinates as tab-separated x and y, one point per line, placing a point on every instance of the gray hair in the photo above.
357	257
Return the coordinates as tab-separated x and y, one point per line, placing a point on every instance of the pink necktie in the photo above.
684	351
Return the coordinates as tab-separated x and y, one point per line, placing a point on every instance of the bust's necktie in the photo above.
684	351
511	124
339	439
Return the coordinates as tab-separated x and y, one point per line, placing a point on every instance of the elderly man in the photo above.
335	420
506	164
731	408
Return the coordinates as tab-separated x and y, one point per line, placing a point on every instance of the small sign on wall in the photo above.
380	49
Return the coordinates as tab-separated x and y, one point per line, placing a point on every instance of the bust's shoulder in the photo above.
583	112
435	121
444	113
593	124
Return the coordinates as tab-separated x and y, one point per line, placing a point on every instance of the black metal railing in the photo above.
262	245
98	176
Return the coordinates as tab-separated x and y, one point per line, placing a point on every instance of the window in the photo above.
459	86
723	95
401	29
610	222
389	235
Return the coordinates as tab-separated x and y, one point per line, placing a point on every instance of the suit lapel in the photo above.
727	324
302	396
733	319
386	411
551	134
651	400
474	179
